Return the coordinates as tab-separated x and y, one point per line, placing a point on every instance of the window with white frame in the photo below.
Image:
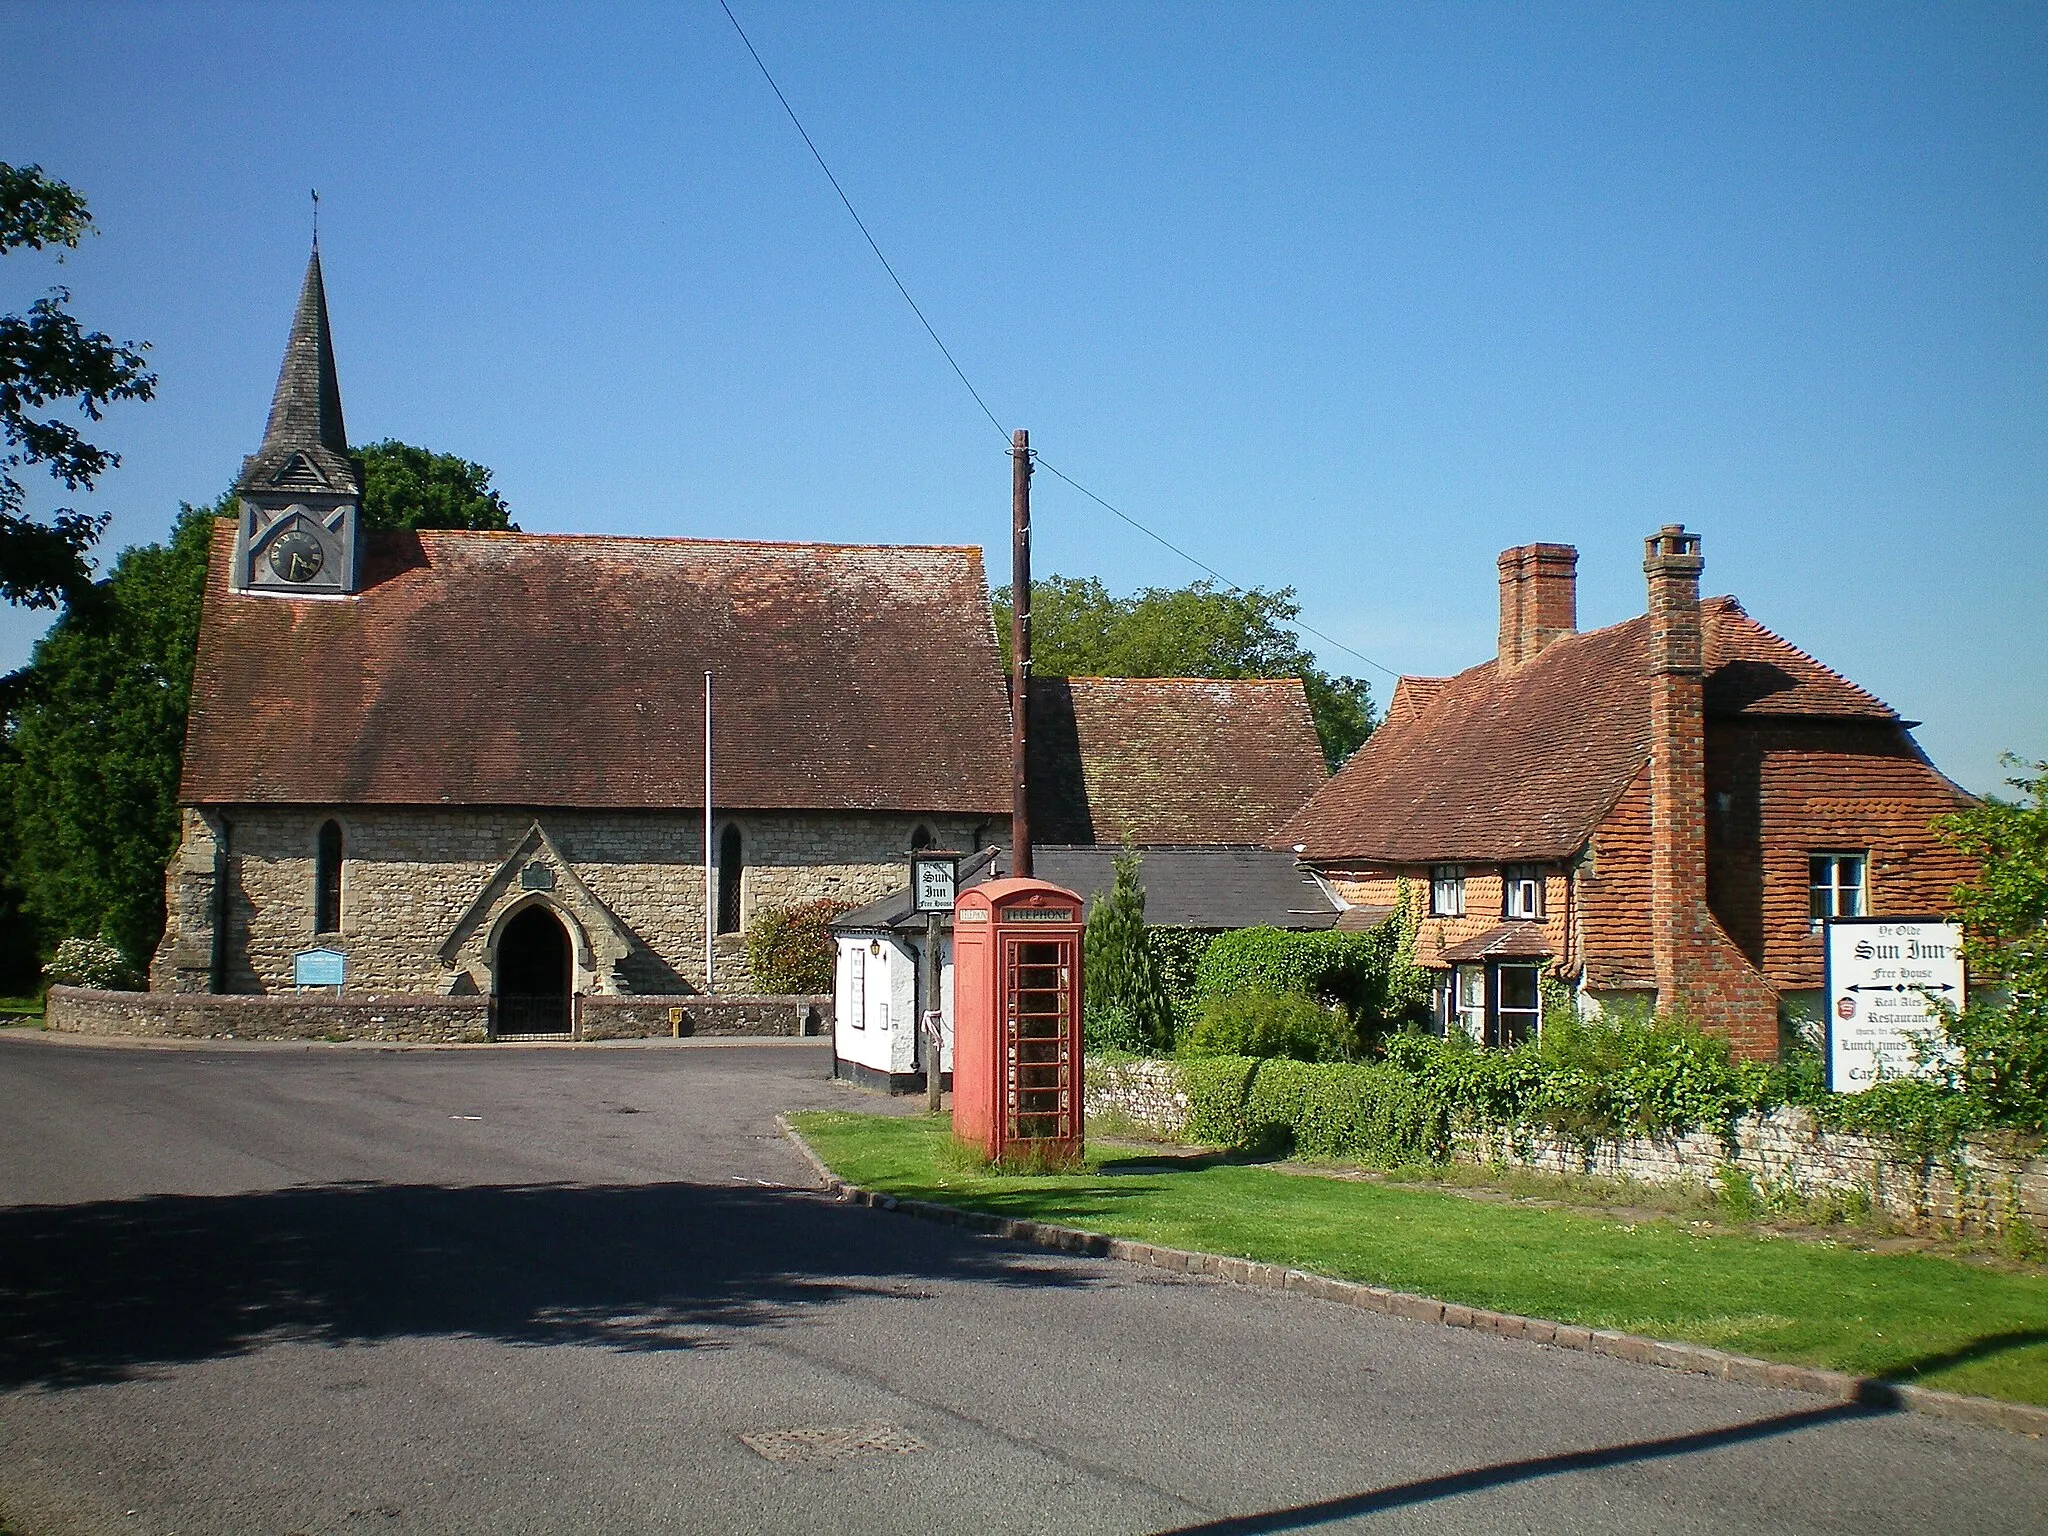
1521	891
1835	885
1518	1003
857	988
1471	1000
1447	890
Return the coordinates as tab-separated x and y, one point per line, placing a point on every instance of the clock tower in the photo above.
300	529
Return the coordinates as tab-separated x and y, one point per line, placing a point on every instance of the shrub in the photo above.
1177	954
1113	1027
1271	1024
1117	960
91	963
1371	974
791	948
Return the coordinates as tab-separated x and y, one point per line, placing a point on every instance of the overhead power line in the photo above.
961	373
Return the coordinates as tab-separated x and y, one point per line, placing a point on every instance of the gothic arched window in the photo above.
327	879
731	863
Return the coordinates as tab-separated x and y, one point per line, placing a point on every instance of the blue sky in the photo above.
1347	298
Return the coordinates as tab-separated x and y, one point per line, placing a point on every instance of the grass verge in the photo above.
1915	1318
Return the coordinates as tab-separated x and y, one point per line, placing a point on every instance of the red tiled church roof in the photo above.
1181	760
1521	764
542	670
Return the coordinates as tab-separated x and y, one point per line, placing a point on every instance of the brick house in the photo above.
474	761
1664	809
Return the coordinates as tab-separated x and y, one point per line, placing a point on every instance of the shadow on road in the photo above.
1429	1489
107	1291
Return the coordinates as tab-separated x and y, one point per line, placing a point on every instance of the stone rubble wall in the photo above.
410	875
298	1016
639	1018
1781	1151
413	1019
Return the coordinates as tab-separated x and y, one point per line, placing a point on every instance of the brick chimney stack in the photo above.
1679	922
1539	599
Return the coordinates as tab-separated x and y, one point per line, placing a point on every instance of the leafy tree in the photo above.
96	735
95	724
1078	629
2001	1039
47	358
408	487
1120	974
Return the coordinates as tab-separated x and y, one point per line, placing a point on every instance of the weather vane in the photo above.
316	219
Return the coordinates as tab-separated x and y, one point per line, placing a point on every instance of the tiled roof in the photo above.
1169	760
1208	888
1520	764
1504	941
540	670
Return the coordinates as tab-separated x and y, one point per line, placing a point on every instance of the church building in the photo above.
465	762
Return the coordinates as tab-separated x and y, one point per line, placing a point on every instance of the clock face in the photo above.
296	555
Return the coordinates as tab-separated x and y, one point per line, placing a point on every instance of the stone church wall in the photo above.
424	889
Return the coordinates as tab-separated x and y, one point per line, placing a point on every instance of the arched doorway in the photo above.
532	974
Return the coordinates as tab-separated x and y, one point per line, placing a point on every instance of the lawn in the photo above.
1939	1322
20	1010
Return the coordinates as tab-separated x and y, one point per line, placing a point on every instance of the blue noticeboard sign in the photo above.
319	968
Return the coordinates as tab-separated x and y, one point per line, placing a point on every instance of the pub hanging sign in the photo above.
934	878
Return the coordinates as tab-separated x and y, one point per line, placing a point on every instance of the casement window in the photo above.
327	879
1835	886
1470	982
732	864
1447	890
1521	890
1518	1005
857	988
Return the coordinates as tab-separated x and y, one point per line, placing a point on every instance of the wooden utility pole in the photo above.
931	1019
1020	652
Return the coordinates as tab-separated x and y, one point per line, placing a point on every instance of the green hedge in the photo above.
1365	1114
1371	974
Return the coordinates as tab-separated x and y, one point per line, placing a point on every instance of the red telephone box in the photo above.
1017	1018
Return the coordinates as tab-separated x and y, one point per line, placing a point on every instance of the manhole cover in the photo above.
832	1444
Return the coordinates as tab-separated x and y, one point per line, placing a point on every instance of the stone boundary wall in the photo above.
1783	1150
639	1018
294	1016
414	1019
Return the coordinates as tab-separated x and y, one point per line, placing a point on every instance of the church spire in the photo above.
305	412
300	531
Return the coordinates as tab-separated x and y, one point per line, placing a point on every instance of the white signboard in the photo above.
1886	979
932	878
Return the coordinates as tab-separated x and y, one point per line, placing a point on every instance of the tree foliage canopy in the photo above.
47	358
408	487
2000	1042
1078	629
95	724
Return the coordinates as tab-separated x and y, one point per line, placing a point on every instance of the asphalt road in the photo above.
350	1290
